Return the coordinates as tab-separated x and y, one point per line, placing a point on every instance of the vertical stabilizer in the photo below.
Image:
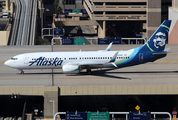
159	39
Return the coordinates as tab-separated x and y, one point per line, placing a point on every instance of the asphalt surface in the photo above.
161	72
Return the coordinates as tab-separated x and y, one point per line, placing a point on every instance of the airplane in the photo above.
76	61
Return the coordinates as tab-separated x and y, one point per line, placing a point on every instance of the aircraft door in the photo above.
141	57
26	59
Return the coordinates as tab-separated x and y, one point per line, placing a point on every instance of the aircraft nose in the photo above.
7	63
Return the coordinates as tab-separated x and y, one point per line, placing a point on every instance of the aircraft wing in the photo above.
112	61
91	64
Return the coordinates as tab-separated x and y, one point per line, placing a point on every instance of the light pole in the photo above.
53	106
54	16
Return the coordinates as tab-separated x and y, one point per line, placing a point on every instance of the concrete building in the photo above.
6	11
111	18
134	16
173	15
118	18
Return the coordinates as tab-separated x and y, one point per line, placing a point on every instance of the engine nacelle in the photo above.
70	69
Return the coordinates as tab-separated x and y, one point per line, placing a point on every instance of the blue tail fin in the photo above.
159	39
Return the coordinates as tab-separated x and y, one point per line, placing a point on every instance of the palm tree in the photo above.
56	3
64	2
59	10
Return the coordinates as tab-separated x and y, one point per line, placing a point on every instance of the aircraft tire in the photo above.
22	72
89	71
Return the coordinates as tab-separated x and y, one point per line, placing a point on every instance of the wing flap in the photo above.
88	64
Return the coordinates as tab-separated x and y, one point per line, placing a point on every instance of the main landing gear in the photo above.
88	71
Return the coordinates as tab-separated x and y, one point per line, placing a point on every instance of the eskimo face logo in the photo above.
160	39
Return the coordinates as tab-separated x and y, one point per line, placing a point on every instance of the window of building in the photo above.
70	2
48	2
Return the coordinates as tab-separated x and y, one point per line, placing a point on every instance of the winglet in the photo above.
109	47
114	57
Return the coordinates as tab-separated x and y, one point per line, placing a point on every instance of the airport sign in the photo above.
59	31
139	116
174	112
137	107
76	116
98	115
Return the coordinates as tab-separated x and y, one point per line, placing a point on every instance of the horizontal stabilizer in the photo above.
114	65
160	53
167	49
163	52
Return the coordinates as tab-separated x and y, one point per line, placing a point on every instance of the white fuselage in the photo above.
55	60
152	50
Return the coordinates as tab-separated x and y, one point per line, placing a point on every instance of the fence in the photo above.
90	41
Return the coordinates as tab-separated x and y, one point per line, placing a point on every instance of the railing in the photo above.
118	17
133	41
118	8
116	0
122	113
95	41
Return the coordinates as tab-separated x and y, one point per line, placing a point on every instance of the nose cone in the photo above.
7	63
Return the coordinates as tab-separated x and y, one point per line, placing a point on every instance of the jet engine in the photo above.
70	69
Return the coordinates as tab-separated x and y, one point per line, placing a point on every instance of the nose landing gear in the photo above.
22	72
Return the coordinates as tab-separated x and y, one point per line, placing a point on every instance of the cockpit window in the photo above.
13	58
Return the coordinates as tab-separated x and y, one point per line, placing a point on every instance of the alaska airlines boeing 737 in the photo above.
76	61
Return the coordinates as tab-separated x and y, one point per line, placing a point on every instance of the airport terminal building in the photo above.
40	94
106	18
125	18
129	18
